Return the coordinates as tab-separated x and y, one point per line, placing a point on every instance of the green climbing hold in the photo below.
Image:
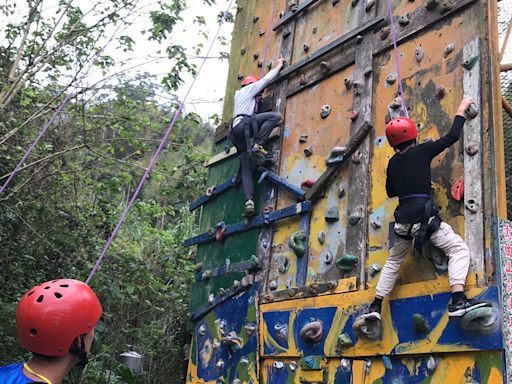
344	340
420	324
346	263
470	62
255	261
297	243
332	215
321	237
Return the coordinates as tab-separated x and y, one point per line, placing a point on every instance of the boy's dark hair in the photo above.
403	146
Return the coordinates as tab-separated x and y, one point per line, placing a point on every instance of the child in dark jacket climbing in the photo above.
409	179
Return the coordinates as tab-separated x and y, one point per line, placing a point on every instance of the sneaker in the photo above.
464	306
249	208
372	315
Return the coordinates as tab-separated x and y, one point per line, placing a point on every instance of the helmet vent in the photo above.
64	285
30	293
40	299
47	287
33	331
57	295
405	130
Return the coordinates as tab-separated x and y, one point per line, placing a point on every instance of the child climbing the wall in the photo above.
249	126
416	218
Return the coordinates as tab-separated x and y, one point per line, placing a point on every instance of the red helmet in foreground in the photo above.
401	130
52	315
249	80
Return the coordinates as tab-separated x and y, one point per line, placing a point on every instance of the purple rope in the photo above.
60	108
397	58
153	160
267	44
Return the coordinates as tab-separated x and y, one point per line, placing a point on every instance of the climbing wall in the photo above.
277	298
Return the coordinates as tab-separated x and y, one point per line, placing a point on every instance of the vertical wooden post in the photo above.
473	165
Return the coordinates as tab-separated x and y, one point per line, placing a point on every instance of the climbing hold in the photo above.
278	365
448	49
240	77
346	263
437	257
356	157
211	298
247	280
420	324
310	363
335	2
239	8
431	364
303	80
354	219
292	291
472	111
221	326
255	19
336	155
287	33
199	267
483	319
272	285
260	63
387	363
446	6
303	138
391	78
472	149
341	192
228	265
313	288
244	361
242	51
294	9
321	237
220	228
222	292
255	260
207	274
312	332
269	65
404	19
332	215
384	32
358	88
255	55
328	258
236	381
354	3
440	92
369	328
457	190
268	297
344	340
219	365
314	30
419	53
281	331
308	151
306	184
374	269
359	39
305	47
236	284
345	365
233	341
216	346
368	71
432	4
395	104
324	67
261	32
333	284
325	111
348	82
292	365
369	5
282	263
472	205
470	62
376	222
297	243
250	329
202	330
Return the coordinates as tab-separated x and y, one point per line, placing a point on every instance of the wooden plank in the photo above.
215	191
473	165
343	39
323	181
290	15
506	106
421	19
506	67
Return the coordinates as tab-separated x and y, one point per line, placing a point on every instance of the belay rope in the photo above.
397	59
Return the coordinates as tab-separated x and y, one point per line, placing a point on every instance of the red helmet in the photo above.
249	80
52	315
401	130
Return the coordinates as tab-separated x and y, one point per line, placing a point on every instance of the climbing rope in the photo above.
155	155
69	96
269	32
397	59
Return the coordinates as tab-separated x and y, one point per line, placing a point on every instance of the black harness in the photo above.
251	129
418	208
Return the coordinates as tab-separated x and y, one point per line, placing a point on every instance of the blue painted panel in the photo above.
272	319
325	316
342	377
276	376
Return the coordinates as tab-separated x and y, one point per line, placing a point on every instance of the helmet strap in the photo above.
79	352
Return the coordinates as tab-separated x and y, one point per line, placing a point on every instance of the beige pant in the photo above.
444	238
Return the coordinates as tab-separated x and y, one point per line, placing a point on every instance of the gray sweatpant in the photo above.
444	238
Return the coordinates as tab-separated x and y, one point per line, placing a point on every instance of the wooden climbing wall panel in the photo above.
315	271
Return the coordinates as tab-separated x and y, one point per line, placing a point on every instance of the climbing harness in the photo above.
70	95
152	162
397	59
38	375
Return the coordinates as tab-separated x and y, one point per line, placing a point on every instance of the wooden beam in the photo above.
505	40
506	106
289	16
506	67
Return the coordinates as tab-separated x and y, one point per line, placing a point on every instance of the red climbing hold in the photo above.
458	190
220	228
307	184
